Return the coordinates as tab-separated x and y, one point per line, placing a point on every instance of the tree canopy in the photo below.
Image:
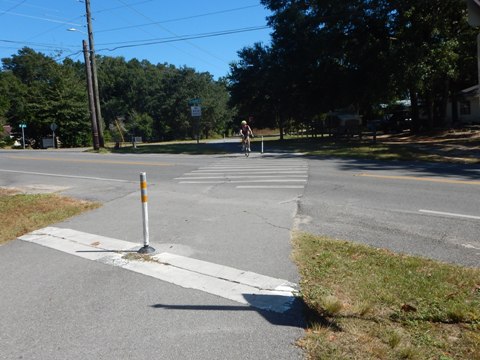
151	101
331	54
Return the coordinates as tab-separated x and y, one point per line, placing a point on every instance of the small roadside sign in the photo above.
196	111
22	126
53	126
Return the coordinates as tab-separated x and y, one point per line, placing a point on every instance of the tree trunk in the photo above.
454	109
444	104
414	107
429	111
280	125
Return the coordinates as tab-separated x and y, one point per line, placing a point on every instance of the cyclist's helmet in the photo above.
244	122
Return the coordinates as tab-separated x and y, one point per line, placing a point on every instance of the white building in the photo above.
468	107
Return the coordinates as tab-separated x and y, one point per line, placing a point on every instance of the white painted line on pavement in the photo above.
270	187
244	181
239	177
249	170
267	180
244	287
300	173
65	176
469	246
257	166
449	214
202	182
87	246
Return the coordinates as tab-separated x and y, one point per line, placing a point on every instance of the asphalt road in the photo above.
431	210
226	210
57	306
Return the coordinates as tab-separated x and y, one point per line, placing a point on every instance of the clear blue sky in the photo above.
124	27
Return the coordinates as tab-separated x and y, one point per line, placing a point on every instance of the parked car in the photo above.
393	122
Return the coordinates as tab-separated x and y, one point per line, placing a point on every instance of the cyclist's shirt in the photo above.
246	131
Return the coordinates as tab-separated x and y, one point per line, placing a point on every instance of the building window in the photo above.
465	108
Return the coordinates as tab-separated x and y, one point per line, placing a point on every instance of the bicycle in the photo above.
246	146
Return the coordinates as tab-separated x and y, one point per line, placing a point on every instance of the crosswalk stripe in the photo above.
244	181
226	177
249	170
246	172
241	286
270	187
257	171
252	167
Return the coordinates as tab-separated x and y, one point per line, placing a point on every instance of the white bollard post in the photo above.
262	144
146	249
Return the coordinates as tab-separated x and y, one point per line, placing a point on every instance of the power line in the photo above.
51	46
44	19
183	38
173	39
13	7
124	6
194	16
171	32
178	19
189	36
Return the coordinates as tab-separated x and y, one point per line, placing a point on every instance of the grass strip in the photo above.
369	303
170	148
23	213
363	149
321	147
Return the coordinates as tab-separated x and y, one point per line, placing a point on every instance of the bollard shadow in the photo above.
294	315
107	251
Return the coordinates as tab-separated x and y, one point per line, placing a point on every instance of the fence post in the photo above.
146	249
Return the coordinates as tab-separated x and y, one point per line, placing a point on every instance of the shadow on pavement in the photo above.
424	168
293	316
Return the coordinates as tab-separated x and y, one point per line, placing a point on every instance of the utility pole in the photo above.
93	63
91	98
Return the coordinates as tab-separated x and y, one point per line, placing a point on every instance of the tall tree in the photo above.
361	53
49	93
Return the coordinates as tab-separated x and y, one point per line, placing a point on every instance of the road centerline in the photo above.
66	176
90	161
415	178
433	212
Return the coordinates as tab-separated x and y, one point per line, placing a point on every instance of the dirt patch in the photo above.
32	189
466	136
9	191
455	145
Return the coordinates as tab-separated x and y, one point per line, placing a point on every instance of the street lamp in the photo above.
76	30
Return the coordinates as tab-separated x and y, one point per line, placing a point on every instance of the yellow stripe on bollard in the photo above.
143	188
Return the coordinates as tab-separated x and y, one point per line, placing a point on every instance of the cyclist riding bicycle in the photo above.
246	132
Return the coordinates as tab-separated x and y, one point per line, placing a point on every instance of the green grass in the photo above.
320	147
170	148
23	213
359	149
370	303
